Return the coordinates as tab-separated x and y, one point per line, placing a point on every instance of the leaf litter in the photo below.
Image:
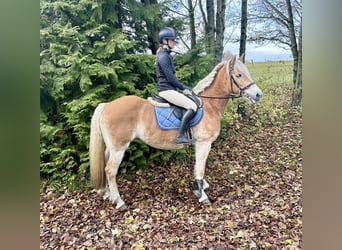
255	179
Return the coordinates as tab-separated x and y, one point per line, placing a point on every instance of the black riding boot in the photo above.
185	123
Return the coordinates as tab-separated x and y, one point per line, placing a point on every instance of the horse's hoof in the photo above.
198	193
121	207
205	185
206	202
106	196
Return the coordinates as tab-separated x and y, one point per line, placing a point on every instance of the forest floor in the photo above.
255	178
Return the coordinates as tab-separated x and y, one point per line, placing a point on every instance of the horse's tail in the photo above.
97	150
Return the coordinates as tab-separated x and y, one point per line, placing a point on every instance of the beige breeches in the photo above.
178	99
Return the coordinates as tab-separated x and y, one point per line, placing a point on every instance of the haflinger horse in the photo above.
115	124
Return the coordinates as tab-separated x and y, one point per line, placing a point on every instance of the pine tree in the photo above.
93	52
84	60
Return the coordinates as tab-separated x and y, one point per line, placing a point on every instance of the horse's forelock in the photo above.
240	66
227	55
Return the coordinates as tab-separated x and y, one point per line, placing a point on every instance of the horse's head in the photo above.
241	82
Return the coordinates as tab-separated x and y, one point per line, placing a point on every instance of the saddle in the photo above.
168	116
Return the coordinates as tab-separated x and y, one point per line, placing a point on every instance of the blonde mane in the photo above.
207	81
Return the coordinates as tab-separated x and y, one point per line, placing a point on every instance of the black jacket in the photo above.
166	79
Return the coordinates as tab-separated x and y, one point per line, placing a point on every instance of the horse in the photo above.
115	124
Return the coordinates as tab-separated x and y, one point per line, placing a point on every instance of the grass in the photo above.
271	72
274	78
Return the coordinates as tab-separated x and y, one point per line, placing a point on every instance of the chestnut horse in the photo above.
115	124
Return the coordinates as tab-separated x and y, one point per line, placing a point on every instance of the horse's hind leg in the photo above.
200	184
105	191
111	169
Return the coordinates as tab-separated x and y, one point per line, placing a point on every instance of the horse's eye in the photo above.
238	75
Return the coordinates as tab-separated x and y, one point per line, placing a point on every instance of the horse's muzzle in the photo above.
253	94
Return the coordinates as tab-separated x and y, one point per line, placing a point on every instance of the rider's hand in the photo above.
187	91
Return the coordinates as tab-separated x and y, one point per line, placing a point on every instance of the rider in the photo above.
167	83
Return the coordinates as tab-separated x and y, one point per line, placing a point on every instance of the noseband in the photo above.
232	81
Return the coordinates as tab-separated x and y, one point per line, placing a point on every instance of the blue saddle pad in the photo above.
168	121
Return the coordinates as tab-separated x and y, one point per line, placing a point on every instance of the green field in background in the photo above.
273	72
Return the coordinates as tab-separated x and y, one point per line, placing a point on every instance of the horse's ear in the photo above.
232	62
241	58
227	56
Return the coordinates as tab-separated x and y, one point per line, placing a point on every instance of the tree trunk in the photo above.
293	41
219	31
297	61
192	24
210	28
153	42
297	90
243	36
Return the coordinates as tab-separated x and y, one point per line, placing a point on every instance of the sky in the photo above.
257	53
263	53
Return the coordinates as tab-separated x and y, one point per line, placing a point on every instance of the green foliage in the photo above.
192	66
87	57
138	155
84	61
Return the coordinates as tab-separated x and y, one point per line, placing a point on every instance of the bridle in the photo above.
231	95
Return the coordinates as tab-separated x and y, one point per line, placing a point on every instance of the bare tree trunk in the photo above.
292	35
205	21
219	31
154	44
297	61
214	31
191	11
243	36
297	90
210	28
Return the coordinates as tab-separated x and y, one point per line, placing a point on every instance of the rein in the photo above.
232	96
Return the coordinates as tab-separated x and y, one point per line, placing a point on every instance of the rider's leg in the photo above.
182	101
184	125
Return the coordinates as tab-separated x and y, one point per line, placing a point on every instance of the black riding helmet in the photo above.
166	33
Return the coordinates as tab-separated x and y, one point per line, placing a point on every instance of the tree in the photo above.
92	52
191	9
214	31
243	29
84	60
297	91
183	14
219	30
142	22
279	22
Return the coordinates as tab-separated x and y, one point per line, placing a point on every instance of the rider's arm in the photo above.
168	70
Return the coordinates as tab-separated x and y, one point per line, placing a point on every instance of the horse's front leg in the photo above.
200	184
